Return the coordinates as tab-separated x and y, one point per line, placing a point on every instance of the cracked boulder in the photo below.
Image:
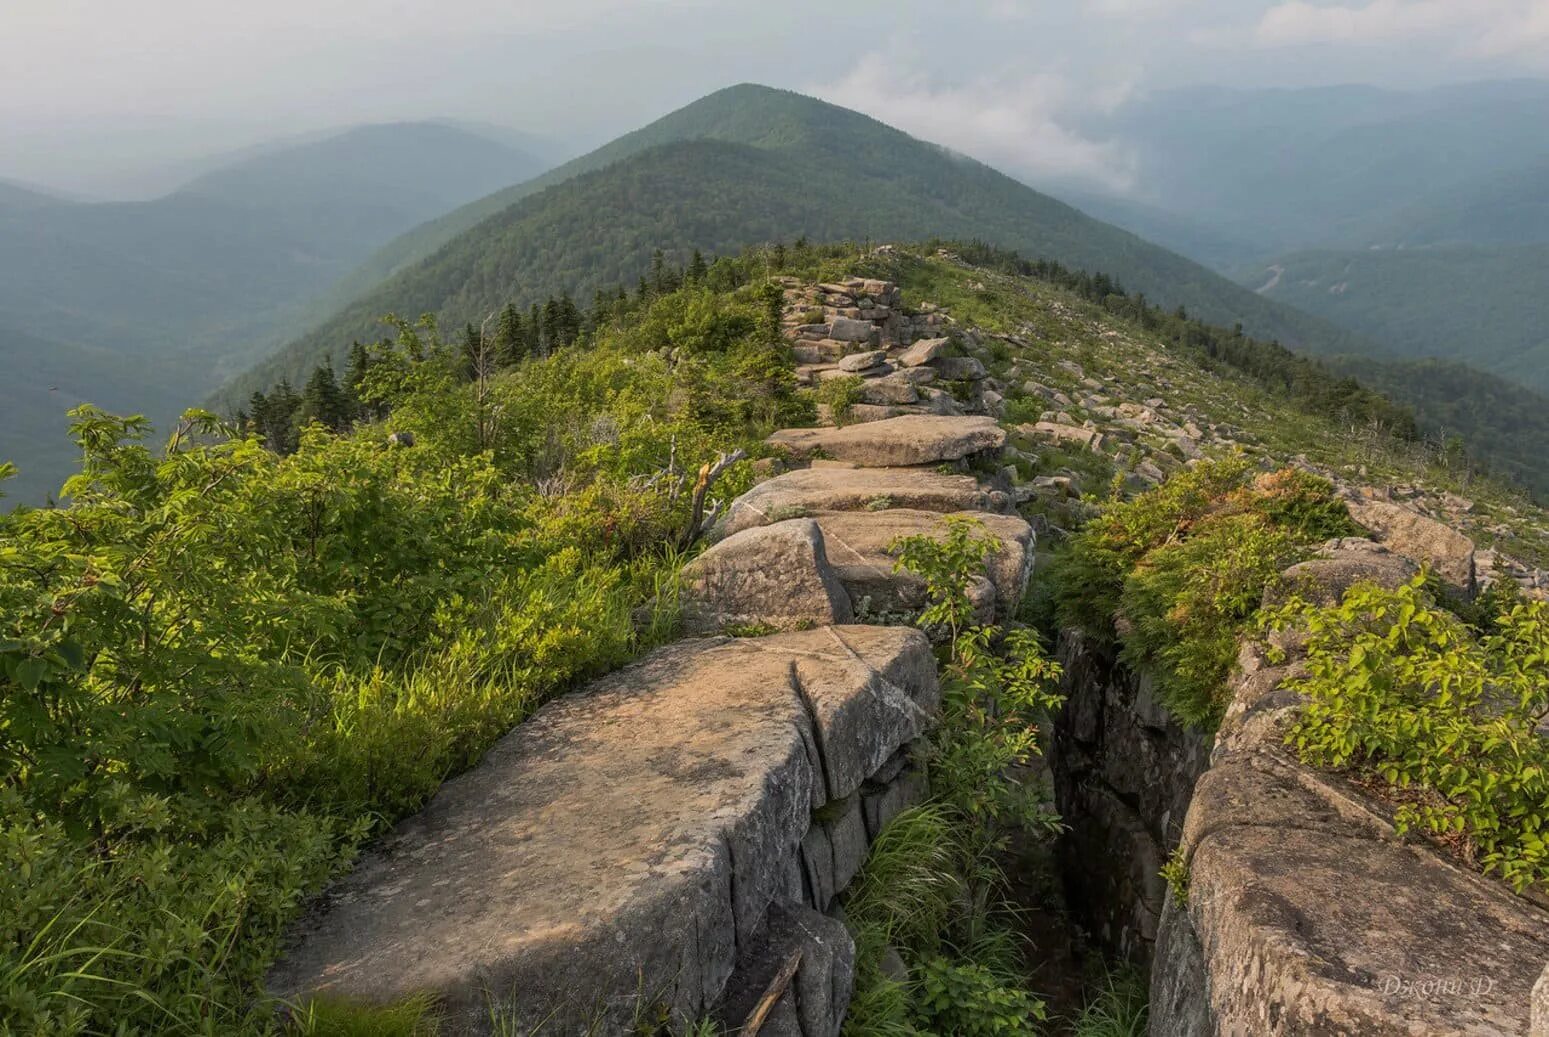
813	491
914	439
626	841
1449	553
773	576
860	548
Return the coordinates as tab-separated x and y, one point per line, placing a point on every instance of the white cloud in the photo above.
1470	28
1009	121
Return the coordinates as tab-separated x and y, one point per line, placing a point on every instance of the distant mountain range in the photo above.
156	303
1419	221
744	165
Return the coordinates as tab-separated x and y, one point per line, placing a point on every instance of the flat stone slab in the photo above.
627	839
812	491
774	577
914	439
1423	539
858	546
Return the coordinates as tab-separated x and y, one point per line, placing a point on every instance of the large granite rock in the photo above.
811	491
1449	553
1307	914
631	840
859	547
771	576
1340	565
914	439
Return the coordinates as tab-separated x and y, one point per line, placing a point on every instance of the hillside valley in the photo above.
163	300
1417	220
448	549
807	168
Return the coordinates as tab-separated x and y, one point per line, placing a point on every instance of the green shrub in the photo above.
840	395
1177	574
222	669
1399	689
932	889
968	999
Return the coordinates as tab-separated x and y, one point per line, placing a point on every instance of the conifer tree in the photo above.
534	331
696	269
510	337
355	381
321	400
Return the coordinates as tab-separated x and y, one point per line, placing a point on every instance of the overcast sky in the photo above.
106	96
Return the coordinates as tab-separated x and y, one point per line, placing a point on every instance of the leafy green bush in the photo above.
840	395
1400	690
932	889
968	999
221	669
1176	575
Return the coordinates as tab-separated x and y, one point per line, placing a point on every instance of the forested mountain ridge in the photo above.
1483	305
151	305
321	634
818	166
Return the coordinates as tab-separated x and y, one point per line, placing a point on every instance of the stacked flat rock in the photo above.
666	834
864	334
913	439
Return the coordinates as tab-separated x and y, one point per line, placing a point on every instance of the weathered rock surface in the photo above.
770	576
846	329
859	547
958	368
634	838
924	351
1341	565
1306	912
861	361
1449	553
1075	435
914	439
811	491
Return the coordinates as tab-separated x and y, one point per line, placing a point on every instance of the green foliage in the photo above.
1176	874
223	667
1177	574
932	888
968	999
1402	691
841	394
1120	1008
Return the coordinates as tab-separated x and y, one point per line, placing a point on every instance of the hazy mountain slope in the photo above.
161	301
1503	424
817	169
43	379
1510	208
1486	306
1291	169
17	197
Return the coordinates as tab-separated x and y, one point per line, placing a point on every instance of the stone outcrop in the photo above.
768	576
665	834
1449	553
1306	913
859	547
913	439
809	491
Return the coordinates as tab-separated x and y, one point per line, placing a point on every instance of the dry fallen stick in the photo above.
708	474
772	993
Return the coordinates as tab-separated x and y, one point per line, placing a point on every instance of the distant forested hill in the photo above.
158	302
1487	306
787	165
